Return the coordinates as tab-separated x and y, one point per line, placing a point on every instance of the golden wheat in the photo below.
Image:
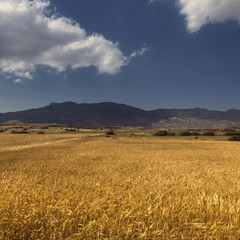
70	187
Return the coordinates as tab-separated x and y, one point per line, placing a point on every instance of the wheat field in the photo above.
78	187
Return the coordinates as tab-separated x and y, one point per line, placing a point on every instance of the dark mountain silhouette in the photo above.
109	114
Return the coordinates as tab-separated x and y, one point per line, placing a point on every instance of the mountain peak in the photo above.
63	103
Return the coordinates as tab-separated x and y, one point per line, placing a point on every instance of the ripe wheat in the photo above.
124	188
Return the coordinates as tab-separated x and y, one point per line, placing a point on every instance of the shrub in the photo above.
185	133
160	133
232	133
70	130
234	138
211	133
19	132
196	133
110	133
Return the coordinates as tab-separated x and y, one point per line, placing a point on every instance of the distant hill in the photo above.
13	123
108	114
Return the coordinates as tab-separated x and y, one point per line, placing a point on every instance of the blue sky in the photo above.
148	54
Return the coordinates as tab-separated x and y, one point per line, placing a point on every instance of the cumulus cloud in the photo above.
200	12
32	36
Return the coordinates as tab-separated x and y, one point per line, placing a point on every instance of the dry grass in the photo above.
118	188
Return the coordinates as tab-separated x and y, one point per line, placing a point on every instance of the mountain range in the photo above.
108	114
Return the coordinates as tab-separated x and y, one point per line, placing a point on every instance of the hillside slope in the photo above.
108	114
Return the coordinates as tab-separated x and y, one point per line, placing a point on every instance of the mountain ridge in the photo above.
110	114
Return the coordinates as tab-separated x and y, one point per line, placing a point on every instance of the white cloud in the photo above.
17	80
200	12
140	52
31	36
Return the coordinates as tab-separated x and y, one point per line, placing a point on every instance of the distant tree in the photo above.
185	133
196	133
160	133
232	133
234	138
211	133
163	133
